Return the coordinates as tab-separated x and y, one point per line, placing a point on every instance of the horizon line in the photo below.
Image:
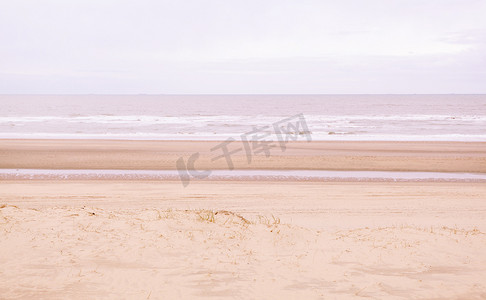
229	94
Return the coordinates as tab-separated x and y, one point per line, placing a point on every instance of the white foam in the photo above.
243	174
408	127
212	136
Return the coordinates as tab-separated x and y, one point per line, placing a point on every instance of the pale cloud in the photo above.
243	46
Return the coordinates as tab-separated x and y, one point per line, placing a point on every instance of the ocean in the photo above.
218	117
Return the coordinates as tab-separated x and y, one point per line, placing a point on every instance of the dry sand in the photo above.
244	240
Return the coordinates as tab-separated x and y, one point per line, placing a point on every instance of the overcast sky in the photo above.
264	46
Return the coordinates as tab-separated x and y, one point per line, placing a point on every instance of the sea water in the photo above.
218	117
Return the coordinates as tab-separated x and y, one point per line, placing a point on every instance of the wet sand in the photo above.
316	155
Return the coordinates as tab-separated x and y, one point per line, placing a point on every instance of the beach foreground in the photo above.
266	240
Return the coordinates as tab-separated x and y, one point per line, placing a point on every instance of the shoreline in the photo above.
323	137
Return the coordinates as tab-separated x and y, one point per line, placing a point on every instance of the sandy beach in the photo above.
242	239
248	240
242	150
